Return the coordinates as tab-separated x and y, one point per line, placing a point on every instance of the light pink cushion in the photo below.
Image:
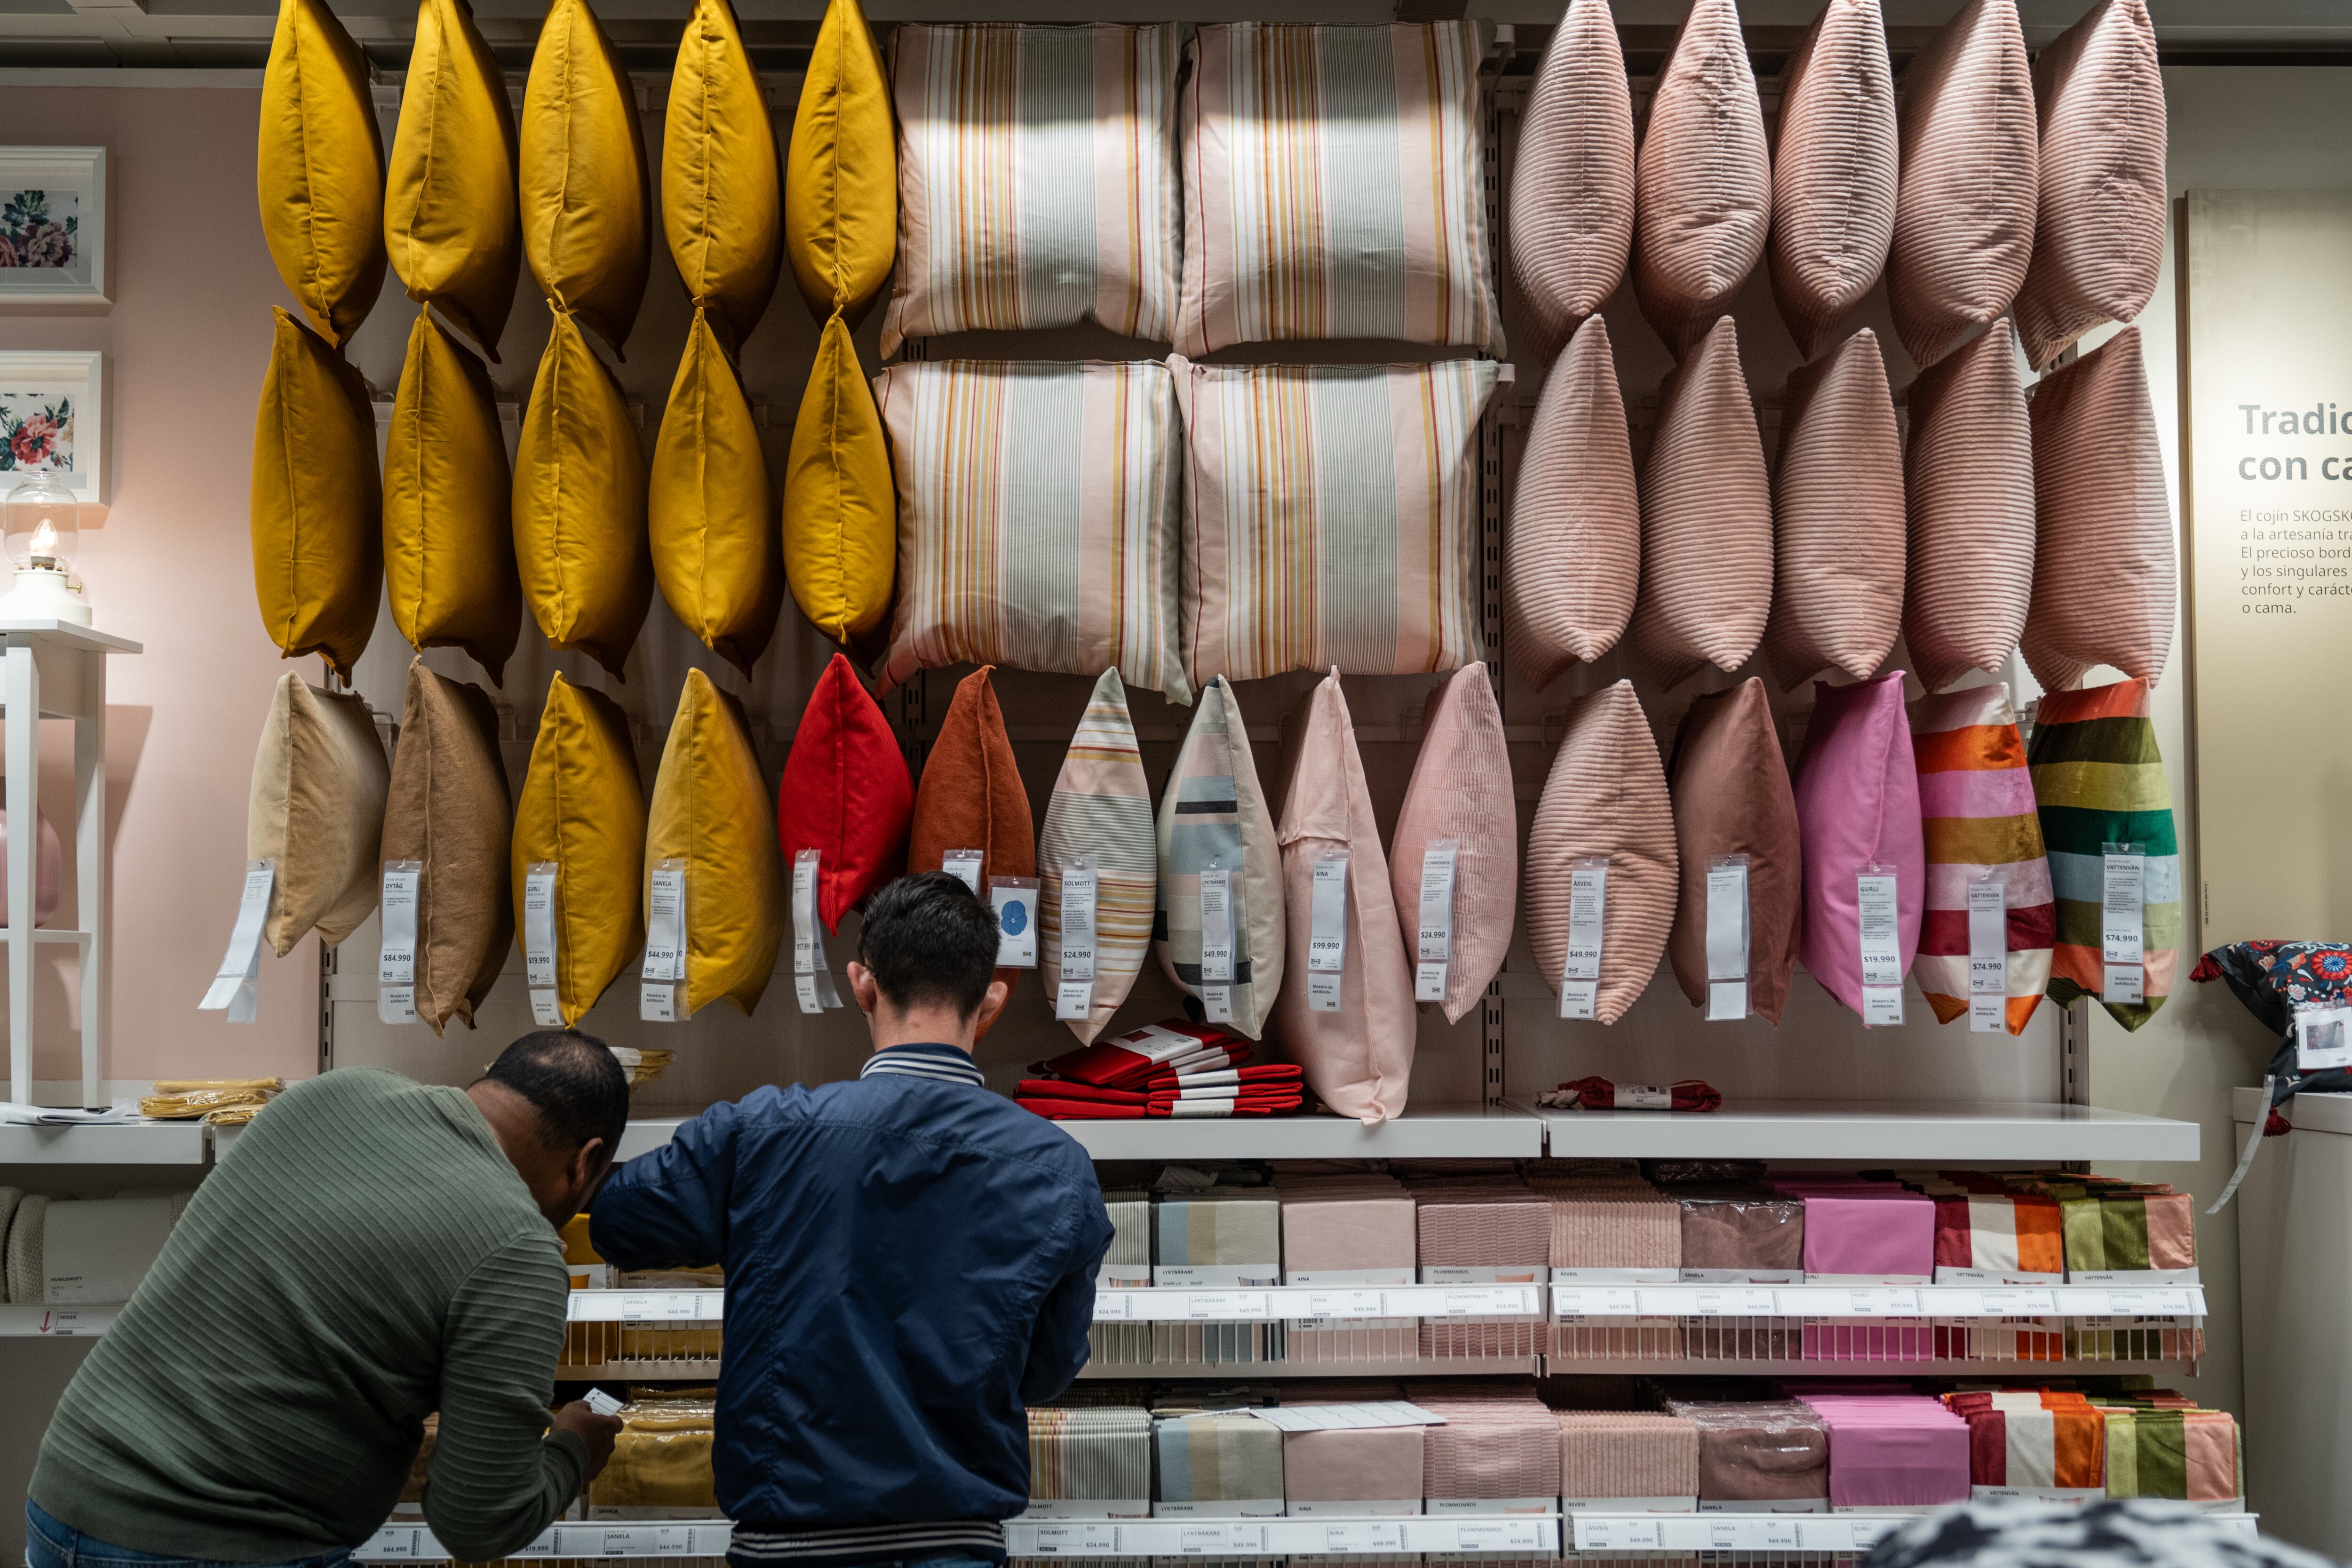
1607	798
1360	1059
1461	789
1857	789
2100	234
2102	571
1703	180
1832	172
1964	209
1572	184
1968	487
1572	551
1838	528
1707	520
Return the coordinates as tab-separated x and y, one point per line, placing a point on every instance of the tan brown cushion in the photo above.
1837	519
1832	172
1731	793
1707	520
316	807
1606	798
448	808
2103	569
1703	182
1572	554
1968	486
2099	237
1964	209
1572	182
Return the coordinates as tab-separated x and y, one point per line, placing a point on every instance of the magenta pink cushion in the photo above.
1857	800
1461	789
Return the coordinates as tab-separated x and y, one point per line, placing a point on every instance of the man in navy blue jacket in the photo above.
910	1261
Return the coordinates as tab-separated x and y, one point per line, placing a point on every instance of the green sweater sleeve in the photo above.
497	1477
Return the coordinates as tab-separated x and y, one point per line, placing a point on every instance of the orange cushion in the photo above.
970	797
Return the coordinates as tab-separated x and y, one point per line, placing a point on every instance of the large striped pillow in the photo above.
2099	780
1329	517
1037	517
1214	816
1968	479
1334	186
1977	814
1101	809
1036	178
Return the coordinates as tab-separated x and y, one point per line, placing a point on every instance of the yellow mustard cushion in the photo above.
711	810
316	505
448	548
716	550
841	181
449	197
587	203
840	511
580	504
320	170
583	808
722	208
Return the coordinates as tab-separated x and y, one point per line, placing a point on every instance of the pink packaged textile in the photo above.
1376	1466
1894	1451
1491	1451
1476	1233
1867	1235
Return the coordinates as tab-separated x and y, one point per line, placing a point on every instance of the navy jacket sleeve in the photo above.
668	1209
1057	1347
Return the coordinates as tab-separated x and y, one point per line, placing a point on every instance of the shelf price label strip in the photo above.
1838	1535
589	1538
1876	1301
1305	1301
1279	1536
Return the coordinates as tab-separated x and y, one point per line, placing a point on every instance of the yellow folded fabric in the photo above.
225	1102
660	1459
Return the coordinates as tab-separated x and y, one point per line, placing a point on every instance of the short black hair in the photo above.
575	1083
928	939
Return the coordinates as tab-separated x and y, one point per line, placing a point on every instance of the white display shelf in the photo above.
33	1321
106	1143
591	1539
1517	1534
1248	1371
646	1307
1242	1305
2319	1112
1908	1132
1566	1366
1837	1534
1877	1301
1426	1133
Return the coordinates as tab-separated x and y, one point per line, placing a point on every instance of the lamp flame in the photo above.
45	545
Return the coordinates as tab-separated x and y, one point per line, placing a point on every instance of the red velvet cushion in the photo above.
845	793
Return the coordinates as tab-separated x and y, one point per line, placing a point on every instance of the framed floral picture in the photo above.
53	250
53	417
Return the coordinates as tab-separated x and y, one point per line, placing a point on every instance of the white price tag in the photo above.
538	942
657	1002
1433	947
1014	901
665	961
1882	951
2322	1038
1726	938
1588	910
964	866
2123	912
813	985
1326	939
235	985
1217	945
396	965
1073	993
1988	955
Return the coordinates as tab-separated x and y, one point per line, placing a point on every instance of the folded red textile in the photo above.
1269	1073
1081	1110
1055	1088
1104	1111
1140	1053
1223	1108
1685	1094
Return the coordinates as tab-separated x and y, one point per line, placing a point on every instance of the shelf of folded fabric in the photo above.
1851	1131
1572	1366
1422	1133
1518	1535
35	1320
1248	1371
1241	1304
135	1142
1836	1534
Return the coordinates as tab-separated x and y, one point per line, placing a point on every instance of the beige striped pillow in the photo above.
1702	182
1573	185
1968	479
1572	554
1833	177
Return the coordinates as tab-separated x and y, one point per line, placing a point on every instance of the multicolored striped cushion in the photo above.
1036	179
1572	555
1037	517
1967	478
1330	516
2129	1231
1976	802
1572	181
1213	810
1333	186
1101	808
2099	780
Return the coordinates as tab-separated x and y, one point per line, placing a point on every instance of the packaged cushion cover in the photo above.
1769	1455
447	808
1461	789
1100	814
583	808
1978	820
1894	1451
1037	180
1573	182
1967	478
1572	552
1038	518
1390	241
321	170
449	218
1729	786
845	793
316	807
1833	172
579	133
1330	516
1217	1467
1731	1234
1857	790
1702	181
1628	1461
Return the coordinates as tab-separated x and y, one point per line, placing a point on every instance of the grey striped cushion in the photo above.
1832	172
1968	483
1702	182
1573	184
1573	554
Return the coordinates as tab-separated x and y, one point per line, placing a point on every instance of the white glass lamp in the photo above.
43	534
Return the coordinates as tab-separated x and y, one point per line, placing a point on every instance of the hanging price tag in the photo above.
1013	901
664	962
2123	922
1726	938
2322	1038
539	944
237	984
396	965
1588	908
1433	952
1882	951
1073	993
1217	945
813	984
1988	955
1326	936
964	866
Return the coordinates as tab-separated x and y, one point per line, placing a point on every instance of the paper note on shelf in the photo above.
1345	1418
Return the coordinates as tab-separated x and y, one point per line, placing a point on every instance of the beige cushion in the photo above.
1832	172
2099	237
1964	208
1707	520
317	808
1837	519
1572	553
1703	182
1573	182
448	807
1968	479
2102	568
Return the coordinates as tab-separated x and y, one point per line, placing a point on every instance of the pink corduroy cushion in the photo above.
1461	789
1572	554
1857	789
1573	185
1968	480
1833	172
1702	180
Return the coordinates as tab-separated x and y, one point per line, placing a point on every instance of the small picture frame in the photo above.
53	249
53	416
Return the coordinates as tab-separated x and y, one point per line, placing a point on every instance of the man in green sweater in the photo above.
369	1251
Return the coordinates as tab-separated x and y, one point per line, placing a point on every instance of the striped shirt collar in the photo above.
942	1062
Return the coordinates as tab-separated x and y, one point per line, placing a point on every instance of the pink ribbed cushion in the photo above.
1833	172
1703	180
1707	520
2103	573
1573	185
1968	487
1731	796
1572	556
1358	1059
1461	789
2100	237
1857	790
1838	527
1606	797
1964	210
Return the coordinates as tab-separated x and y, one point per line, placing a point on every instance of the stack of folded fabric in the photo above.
1217	1467
1172	1069
1355	1471
1347	1230
1610	1226
66	1251
1628	1461
1090	1462
1989	1235
1860	1232
1759	1456
1126	1265
222	1101
1741	1234
639	1064
2039	1444
1483	1230
2157	1447
2129	1229
1891	1451
1601	1094
660	1467
1498	1451
1216	1238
